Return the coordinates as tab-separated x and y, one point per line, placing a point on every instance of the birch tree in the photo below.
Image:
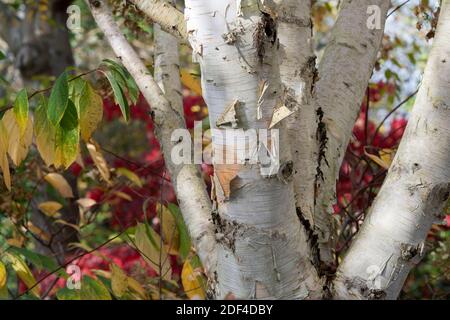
267	231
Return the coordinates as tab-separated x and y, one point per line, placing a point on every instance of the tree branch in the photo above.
344	72
415	192
188	184
169	18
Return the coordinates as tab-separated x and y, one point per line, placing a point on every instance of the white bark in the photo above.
344	72
189	186
297	70
161	12
263	250
412	197
167	67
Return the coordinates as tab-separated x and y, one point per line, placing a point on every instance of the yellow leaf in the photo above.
18	144
3	275
60	184
169	230
50	208
192	281
38	231
190	82
90	110
99	160
64	222
383	159
137	287
24	273
123	195
16	242
148	244
4	165
130	175
86	203
119	280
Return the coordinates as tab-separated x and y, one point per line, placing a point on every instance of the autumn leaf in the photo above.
23	273
58	182
3	275
86	203
50	208
99	160
148	242
90	110
18	144
169	229
119	280
192	280
383	159
190	82
130	175
4	165
21	110
38	232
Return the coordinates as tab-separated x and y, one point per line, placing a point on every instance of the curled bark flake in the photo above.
279	114
229	118
225	174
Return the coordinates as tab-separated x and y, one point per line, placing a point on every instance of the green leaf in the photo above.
93	290
185	239
59	99
124	75
68	294
90	110
38	260
67	138
21	110
23	272
2	56
45	133
119	95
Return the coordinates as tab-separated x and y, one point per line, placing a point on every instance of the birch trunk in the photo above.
262	251
297	71
417	187
344	72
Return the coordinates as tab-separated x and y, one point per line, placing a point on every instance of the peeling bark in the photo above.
263	250
416	189
297	70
